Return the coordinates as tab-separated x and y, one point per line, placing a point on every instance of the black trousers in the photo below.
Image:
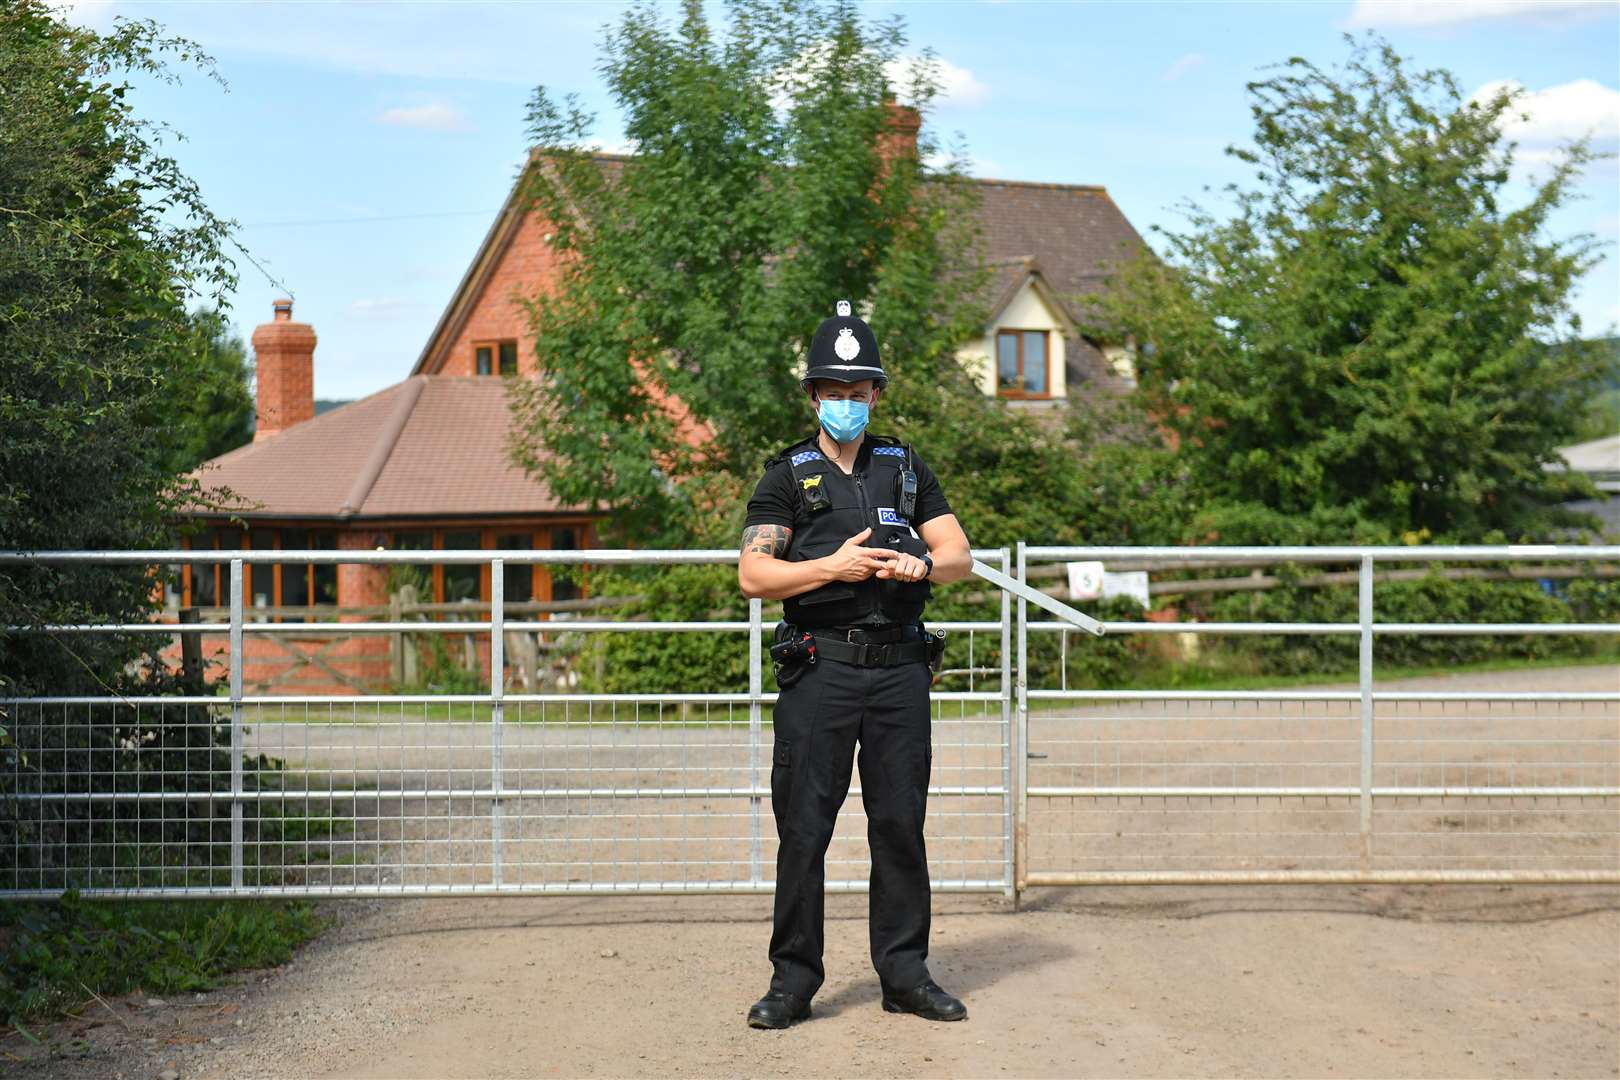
818	722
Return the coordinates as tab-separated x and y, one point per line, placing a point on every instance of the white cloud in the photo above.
957	85
1434	13
434	116
1184	64
1543	120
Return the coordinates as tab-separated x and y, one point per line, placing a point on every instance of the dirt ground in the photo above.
1282	981
1440	981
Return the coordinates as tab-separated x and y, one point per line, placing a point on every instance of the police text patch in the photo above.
887	516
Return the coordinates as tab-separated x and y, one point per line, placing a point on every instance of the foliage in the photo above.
54	952
1600	416
661	663
1431	599
102	241
130	747
210	406
109	387
693	273
1359	353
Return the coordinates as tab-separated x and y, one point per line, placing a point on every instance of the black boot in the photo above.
927	1001
778	1009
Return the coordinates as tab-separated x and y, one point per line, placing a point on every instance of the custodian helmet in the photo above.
844	350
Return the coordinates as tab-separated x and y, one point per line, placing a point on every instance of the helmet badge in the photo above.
843	308
846	346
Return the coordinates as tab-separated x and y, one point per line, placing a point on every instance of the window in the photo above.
306	584
210	583
260	579
451	584
519	577
265	584
490	357
1021	364
462	581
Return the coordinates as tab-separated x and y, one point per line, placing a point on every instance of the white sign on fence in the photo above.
1090	580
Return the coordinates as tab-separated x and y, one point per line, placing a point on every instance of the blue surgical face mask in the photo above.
844	420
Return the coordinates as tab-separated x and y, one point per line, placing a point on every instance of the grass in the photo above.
57	956
1199	677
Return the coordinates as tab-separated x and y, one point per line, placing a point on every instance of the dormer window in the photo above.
490	357
1022	364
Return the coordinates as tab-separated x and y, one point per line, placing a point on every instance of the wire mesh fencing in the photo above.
495	791
435	794
1320	785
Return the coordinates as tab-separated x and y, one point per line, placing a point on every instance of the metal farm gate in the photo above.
668	792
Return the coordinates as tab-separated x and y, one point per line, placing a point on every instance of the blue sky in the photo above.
365	147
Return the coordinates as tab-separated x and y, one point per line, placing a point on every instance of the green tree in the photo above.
694	272
209	409
1600	414
107	383
103	239
1360	351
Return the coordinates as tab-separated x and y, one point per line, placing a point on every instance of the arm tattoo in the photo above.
769	540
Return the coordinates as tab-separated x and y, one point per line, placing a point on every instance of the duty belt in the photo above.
870	653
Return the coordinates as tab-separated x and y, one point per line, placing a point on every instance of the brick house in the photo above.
423	464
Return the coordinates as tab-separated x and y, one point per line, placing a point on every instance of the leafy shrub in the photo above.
135	744
1432	599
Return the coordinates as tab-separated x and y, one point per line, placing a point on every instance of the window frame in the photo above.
497	366
542	537
1021	394
245	542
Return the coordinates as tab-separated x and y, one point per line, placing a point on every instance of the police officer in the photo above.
849	528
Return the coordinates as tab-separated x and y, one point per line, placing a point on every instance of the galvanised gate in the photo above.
667	792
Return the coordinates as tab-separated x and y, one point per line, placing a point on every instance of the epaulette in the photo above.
889	445
783	454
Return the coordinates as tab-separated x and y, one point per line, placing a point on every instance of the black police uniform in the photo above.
869	686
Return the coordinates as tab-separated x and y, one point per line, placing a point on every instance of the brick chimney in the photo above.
898	139
284	360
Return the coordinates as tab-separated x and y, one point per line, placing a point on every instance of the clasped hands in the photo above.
853	562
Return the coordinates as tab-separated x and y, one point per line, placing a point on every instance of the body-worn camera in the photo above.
792	654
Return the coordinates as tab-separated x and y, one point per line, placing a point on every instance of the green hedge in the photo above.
718	662
1432	599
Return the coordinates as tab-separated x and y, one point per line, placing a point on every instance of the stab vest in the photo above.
832	507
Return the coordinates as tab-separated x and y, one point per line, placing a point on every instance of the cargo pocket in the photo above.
781	776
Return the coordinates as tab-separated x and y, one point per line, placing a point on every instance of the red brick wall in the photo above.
528	265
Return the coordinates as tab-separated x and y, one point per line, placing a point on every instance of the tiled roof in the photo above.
1074	232
429	446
